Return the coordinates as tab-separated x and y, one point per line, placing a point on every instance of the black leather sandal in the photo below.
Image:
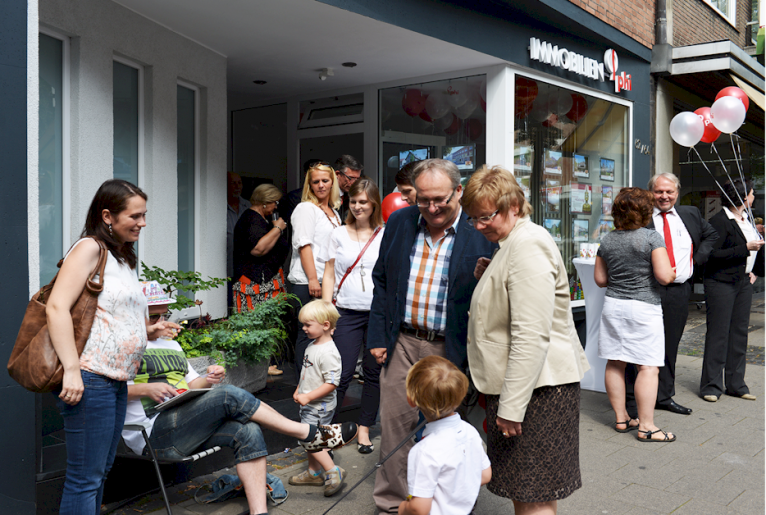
649	438
627	425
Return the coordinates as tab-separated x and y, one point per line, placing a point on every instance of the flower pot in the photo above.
251	378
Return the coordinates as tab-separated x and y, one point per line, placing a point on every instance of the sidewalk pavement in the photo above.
715	467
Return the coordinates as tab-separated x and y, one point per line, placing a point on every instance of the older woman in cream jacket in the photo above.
523	350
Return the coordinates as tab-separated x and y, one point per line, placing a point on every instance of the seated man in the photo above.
224	416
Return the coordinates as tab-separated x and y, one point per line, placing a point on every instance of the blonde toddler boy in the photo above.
320	376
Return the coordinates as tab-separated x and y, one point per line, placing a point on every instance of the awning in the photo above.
755	95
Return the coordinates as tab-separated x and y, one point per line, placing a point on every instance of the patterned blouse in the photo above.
118	337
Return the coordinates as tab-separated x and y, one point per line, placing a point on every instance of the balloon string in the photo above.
711	174
736	190
738	157
726	171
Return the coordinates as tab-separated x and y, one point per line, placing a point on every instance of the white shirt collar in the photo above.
441	424
657	212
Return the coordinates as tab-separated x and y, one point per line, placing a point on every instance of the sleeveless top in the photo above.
118	337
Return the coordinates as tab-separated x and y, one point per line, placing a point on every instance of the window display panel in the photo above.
442	119
571	159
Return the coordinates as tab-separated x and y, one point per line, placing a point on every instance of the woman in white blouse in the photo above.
348	280
93	394
313	220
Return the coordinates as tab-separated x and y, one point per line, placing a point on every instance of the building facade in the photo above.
170	95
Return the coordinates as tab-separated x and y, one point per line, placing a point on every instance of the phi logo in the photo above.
622	81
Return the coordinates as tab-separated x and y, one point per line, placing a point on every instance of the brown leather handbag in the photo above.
34	363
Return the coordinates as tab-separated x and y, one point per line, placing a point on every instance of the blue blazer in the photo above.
392	271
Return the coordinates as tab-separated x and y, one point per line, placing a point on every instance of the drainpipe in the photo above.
662	58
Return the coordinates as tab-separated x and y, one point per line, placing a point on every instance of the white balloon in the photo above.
436	105
457	97
483	90
539	112
444	122
728	114
560	102
687	128
467	109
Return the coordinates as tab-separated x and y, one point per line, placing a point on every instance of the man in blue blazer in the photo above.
423	285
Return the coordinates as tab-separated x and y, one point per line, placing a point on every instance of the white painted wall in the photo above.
99	31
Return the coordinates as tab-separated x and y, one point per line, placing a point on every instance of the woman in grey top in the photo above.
631	261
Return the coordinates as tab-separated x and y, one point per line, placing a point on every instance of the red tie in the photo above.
668	238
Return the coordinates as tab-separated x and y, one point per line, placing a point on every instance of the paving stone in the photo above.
651	498
697	507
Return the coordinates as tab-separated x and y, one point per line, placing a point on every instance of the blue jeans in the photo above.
219	417
93	428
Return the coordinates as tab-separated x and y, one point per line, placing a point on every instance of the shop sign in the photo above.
578	63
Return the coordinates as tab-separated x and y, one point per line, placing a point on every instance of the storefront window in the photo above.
571	158
442	119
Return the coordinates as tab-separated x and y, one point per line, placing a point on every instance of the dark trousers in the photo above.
675	311
301	340
728	315
350	338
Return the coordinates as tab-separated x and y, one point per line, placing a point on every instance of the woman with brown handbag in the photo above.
93	396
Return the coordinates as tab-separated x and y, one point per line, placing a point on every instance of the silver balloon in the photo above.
436	105
687	128
393	162
728	114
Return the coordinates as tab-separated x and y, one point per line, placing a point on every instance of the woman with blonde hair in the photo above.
523	350
313	221
349	258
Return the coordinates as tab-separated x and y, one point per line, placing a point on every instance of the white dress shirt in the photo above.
683	248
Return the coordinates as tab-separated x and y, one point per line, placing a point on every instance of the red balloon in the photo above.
454	126
526	88
424	113
522	107
474	129
483	104
735	92
391	203
711	133
579	107
413	102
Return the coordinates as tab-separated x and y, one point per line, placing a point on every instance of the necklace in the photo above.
331	219
362	273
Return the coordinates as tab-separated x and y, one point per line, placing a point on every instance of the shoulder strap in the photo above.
93	286
348	271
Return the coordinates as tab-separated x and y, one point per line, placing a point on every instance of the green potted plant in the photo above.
242	343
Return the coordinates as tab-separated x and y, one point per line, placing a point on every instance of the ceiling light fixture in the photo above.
349	64
326	72
259	82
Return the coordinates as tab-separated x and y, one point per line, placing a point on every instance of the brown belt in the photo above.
422	334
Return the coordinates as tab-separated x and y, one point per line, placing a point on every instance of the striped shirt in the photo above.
426	306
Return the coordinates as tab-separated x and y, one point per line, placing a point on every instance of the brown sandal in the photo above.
649	438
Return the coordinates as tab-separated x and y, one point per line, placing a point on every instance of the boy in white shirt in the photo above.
448	466
320	376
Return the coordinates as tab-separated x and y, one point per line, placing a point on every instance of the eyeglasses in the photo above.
349	177
484	220
438	203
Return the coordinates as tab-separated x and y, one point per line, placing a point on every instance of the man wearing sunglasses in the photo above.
423	285
348	170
